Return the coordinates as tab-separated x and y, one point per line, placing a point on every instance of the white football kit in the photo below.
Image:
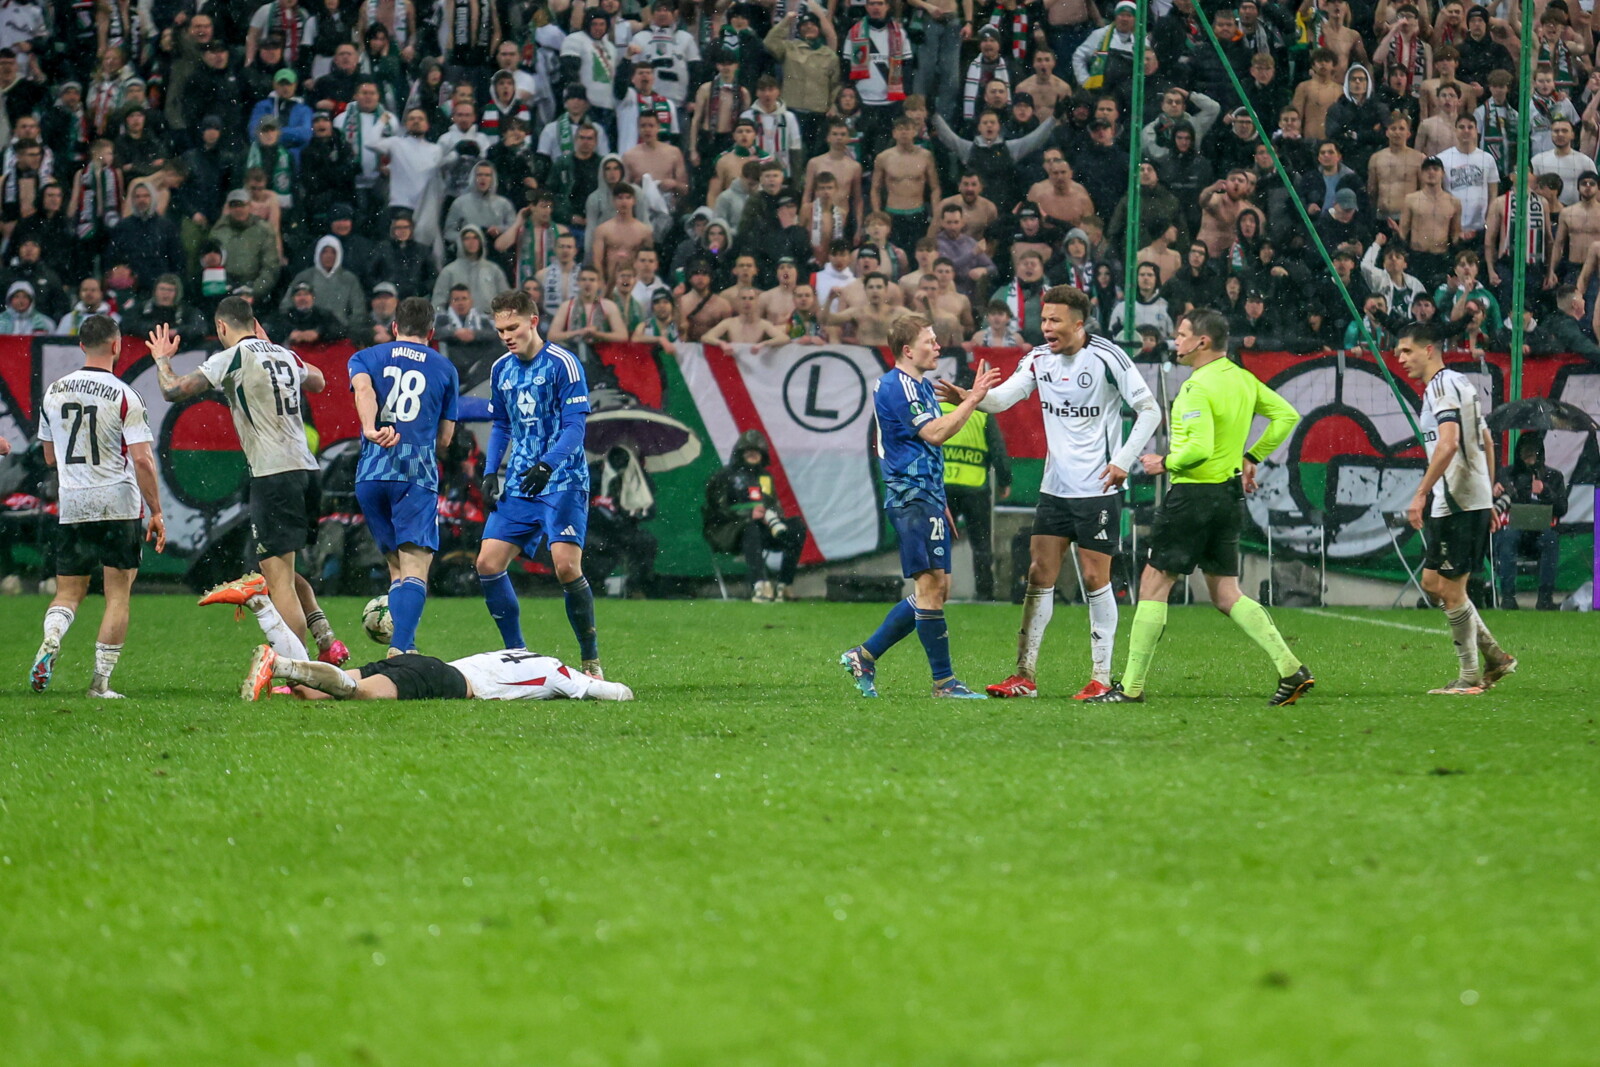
512	674
262	383
1467	484
91	416
1081	396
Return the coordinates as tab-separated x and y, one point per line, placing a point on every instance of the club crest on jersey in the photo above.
1085	380
539	380
527	404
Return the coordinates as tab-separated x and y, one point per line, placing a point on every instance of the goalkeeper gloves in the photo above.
491	491
535	478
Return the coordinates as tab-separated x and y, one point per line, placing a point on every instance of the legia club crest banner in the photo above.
814	405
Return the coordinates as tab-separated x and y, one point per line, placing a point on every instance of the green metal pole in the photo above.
1403	396
1519	188
1130	238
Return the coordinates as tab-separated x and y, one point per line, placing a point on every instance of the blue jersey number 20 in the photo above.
404	401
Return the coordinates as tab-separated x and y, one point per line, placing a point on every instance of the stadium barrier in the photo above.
1350	466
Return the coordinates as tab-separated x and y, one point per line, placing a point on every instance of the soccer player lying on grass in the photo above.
511	674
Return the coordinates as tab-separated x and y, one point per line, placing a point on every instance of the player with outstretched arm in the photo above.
97	437
1083	382
539	403
1199	522
911	431
511	674
1454	506
405	394
261	383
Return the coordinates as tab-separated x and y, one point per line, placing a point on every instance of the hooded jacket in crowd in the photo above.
140	319
727	516
476	271
1357	121
339	291
26	321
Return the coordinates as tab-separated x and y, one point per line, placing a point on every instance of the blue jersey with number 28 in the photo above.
913	469
416	389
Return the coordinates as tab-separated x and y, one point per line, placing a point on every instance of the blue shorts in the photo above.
400	513
923	531
559	516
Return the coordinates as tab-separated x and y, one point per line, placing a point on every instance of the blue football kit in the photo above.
913	472
913	483
398	487
539	411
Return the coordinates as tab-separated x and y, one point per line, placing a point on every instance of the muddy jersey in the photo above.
91	417
261	382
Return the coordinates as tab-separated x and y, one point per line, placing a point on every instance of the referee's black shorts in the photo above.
1198	525
284	512
417	677
1457	544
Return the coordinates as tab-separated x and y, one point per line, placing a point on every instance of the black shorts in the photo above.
84	547
284	511
1094	522
418	677
1457	544
1198	525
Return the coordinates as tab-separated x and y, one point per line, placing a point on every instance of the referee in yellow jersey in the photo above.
1199	522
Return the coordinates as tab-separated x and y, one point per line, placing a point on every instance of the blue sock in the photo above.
580	613
406	599
896	626
503	607
935	638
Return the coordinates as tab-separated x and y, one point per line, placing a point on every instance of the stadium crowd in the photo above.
788	171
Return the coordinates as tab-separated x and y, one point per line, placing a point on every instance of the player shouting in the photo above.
1454	506
397	475
514	674
1083	382
261	382
96	435
1199	521
912	432
539	400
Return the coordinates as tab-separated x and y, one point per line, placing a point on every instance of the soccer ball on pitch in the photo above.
376	620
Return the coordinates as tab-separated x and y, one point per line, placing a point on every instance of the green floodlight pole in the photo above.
1519	253
1316	238
1130	241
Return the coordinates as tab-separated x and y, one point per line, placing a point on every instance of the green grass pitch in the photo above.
750	865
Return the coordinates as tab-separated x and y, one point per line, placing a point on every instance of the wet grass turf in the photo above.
749	865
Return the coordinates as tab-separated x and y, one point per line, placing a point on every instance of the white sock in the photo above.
1038	604
1487	645
105	661
323	677
1464	633
1102	631
57	621
279	636
321	629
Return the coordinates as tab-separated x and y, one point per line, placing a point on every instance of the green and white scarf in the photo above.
280	176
